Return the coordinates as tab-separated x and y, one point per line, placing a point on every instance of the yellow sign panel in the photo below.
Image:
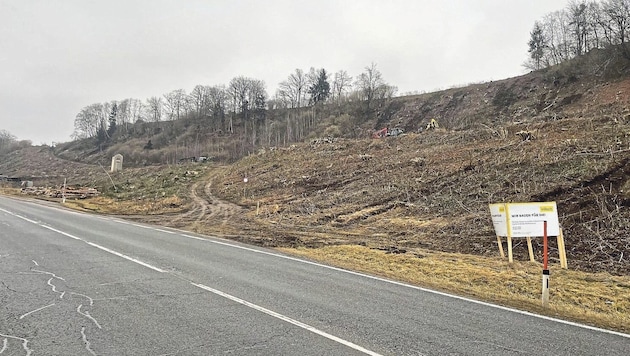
546	208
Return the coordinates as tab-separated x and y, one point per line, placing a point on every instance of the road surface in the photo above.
78	284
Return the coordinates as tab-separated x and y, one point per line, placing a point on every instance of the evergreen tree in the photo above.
537	45
320	88
113	116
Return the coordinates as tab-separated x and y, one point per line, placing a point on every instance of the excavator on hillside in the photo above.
433	124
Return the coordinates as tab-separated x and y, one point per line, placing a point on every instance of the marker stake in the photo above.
545	275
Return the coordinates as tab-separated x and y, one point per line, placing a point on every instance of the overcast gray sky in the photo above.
59	56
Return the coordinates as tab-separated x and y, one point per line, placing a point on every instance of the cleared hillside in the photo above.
426	189
431	190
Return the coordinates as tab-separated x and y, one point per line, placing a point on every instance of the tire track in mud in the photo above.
220	208
206	208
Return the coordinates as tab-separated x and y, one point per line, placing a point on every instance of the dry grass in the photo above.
151	206
9	191
596	299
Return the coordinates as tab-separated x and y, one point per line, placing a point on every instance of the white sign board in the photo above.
525	219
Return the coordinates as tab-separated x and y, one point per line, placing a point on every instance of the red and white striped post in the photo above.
545	275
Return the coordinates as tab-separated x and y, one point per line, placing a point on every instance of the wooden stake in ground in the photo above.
500	246
562	252
509	234
530	249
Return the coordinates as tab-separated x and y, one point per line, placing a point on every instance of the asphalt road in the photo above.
77	284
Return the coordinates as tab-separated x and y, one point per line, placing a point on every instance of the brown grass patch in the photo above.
151	206
9	191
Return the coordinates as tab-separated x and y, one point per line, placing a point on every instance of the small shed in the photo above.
117	163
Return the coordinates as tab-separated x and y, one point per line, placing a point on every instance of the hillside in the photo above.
583	87
431	190
426	189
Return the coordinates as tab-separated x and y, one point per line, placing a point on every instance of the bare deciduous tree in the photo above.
175	104
371	86
616	20
199	99
238	89
293	89
155	107
90	121
6	140
218	99
342	84
582	26
579	26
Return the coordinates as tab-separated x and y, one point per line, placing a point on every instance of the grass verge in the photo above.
151	206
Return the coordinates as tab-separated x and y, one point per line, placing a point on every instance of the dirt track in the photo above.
206	209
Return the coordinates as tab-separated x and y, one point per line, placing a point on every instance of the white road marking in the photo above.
197	238
35	311
60	232
104	249
21	217
140	226
165	231
125	256
87	242
287	319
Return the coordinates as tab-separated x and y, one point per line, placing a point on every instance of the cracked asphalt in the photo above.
77	284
